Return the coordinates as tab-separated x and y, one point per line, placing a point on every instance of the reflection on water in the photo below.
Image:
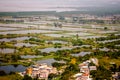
81	54
106	41
47	50
11	39
26	31
7	50
9	68
25	44
7	28
56	35
29	56
49	61
55	41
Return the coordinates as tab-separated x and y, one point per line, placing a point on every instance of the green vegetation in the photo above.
108	60
98	74
12	76
57	45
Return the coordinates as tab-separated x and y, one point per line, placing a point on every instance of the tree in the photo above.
113	68
73	61
57	65
105	28
51	76
2	73
15	57
101	74
26	77
66	75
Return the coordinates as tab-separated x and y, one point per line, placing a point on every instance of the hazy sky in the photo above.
41	5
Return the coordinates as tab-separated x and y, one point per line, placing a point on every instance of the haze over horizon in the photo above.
53	5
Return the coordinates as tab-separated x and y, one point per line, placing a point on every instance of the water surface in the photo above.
26	31
24	44
49	61
52	49
81	54
13	68
17	39
7	50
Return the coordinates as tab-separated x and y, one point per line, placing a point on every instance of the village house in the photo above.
85	69
40	71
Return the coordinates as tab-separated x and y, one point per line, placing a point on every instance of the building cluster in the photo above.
85	69
40	71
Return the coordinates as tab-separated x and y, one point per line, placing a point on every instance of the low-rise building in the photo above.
40	71
85	69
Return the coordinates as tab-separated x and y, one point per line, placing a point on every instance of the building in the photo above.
40	71
85	69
